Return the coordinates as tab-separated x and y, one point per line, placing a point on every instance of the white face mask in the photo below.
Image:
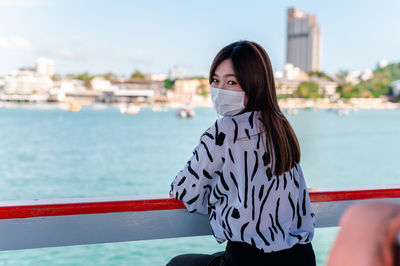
226	102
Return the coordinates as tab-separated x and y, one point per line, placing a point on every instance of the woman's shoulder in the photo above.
236	127
219	129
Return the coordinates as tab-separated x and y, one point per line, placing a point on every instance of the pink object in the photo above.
367	236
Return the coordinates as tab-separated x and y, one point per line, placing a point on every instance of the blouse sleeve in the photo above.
194	183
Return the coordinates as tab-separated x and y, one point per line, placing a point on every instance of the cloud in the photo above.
63	53
14	42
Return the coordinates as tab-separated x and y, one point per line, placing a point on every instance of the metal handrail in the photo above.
61	222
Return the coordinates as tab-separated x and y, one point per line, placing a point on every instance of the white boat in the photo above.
99	106
129	109
343	111
185	112
156	108
290	111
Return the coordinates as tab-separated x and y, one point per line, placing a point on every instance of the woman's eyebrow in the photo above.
227	75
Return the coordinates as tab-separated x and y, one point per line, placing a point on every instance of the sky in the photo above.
153	36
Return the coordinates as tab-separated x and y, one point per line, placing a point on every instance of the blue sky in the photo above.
120	36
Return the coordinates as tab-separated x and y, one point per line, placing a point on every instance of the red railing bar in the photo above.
28	211
317	196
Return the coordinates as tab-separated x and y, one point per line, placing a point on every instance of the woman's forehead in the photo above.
225	68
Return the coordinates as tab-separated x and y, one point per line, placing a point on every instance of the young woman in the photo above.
245	172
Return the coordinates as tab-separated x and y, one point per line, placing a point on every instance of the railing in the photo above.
63	222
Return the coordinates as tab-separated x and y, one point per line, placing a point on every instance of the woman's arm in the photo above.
194	183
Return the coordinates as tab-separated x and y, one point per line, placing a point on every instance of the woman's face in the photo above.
224	78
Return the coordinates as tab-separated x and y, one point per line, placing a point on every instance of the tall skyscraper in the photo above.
303	40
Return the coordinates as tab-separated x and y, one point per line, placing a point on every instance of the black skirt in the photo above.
243	254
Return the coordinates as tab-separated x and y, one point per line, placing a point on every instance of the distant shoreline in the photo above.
290	103
353	103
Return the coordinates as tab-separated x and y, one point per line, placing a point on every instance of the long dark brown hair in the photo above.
254	73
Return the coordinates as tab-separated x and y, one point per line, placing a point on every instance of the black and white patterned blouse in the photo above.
229	178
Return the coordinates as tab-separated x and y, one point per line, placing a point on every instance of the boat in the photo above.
156	108
73	107
185	112
290	111
129	109
98	106
343	111
315	109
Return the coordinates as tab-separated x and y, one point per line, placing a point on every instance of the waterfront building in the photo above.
353	77
382	63
289	79
287	84
126	95
186	86
327	87
366	74
83	96
292	72
186	89
45	66
64	90
27	82
139	85
303	40
158	76
100	84
68	85
136	91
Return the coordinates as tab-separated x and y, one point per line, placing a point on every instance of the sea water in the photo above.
51	153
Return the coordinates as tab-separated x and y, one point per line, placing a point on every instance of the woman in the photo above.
245	172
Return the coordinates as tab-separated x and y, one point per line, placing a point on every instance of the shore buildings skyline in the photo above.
40	83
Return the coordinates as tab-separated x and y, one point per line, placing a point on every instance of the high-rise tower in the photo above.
303	40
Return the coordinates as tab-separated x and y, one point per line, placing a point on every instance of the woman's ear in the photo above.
245	100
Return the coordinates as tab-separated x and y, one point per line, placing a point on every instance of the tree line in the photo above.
375	87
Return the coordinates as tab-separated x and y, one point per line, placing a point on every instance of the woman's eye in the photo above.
231	82
214	81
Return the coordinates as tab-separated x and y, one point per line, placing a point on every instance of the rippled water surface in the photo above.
51	153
